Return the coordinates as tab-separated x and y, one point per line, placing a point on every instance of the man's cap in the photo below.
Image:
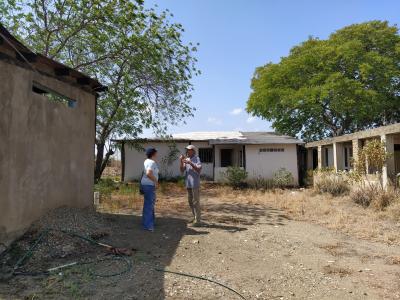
150	151
191	147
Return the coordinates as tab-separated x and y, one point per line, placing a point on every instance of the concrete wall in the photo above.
134	160
265	164
46	149
257	164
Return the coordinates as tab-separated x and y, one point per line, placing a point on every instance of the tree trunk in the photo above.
101	161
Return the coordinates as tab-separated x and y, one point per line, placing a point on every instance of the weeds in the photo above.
260	183
374	196
282	178
331	182
236	177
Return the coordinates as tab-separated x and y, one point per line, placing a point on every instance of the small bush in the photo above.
282	178
330	182
105	186
362	196
236	177
260	183
374	196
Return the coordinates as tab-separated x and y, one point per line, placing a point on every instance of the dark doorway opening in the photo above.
226	157
314	159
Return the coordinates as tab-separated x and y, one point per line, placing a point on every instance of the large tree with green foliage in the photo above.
323	88
137	52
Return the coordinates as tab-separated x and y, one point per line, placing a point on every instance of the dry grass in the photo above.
335	270
333	249
337	213
393	260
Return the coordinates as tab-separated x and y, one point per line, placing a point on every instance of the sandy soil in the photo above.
254	248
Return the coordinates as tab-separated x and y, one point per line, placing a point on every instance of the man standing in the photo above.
191	167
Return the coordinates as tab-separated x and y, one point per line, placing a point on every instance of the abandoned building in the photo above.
339	152
261	154
47	133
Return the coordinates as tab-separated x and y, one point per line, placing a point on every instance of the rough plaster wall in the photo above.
46	149
265	164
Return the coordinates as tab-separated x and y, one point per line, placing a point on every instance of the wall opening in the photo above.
226	157
206	155
52	95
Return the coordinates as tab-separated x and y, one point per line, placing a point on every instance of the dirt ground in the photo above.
248	244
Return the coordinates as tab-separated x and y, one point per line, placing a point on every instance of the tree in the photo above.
325	88
138	53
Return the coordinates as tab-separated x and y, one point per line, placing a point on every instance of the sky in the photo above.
236	36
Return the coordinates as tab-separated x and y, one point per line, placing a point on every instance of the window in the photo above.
206	155
226	158
52	95
271	150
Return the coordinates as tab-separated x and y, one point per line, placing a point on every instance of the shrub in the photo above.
260	183
282	178
374	196
327	181
105	186
362	196
236	177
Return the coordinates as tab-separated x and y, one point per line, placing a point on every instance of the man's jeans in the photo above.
194	203
148	206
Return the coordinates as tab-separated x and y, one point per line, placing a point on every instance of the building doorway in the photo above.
226	157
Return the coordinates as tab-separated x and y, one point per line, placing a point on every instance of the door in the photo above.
397	158
226	157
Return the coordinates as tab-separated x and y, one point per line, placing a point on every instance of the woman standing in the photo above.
148	185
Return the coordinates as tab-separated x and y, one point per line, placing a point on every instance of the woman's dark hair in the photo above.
150	152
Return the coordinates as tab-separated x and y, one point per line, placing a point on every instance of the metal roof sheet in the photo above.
229	137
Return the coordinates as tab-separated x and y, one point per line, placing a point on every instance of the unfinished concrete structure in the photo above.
47	133
338	152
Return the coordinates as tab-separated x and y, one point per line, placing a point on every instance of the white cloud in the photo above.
214	121
236	111
250	119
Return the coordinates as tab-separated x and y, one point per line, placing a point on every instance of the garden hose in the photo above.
28	254
201	278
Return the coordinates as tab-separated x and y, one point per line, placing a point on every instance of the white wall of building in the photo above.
265	164
134	160
207	168
258	163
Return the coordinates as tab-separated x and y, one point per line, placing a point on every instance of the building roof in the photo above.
365	134
258	137
14	50
229	137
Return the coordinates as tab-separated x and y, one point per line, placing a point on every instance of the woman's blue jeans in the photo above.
148	206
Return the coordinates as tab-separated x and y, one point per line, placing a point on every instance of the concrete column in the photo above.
338	156
356	145
319	157
335	157
388	167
